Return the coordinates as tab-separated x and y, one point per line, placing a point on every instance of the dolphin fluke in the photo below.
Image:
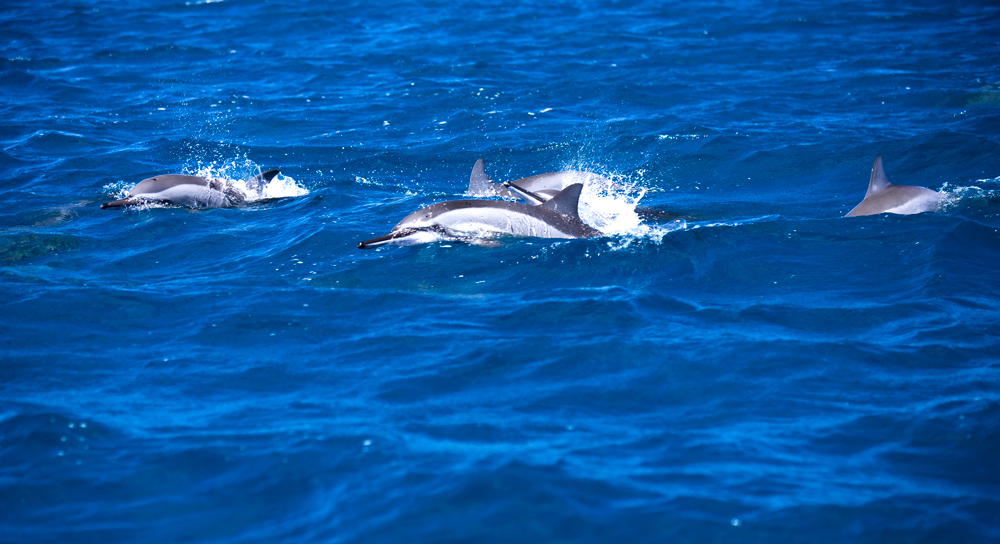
886	197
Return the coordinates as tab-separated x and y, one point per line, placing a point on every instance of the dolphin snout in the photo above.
394	235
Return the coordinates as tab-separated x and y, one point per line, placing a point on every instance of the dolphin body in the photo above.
557	217
539	188
187	191
534	189
885	197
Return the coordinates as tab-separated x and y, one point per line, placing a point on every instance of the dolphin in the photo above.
885	197
188	191
557	217
534	189
539	188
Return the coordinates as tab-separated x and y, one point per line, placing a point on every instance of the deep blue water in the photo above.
768	371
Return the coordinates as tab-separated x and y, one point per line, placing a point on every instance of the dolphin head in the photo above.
885	197
407	236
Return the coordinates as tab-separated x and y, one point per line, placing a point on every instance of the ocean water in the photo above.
762	370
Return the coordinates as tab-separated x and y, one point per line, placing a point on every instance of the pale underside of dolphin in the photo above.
188	191
471	220
885	197
534	189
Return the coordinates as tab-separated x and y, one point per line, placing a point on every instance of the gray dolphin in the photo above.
885	197
539	188
534	189
188	191
557	217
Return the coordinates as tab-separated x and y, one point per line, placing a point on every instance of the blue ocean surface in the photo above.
731	361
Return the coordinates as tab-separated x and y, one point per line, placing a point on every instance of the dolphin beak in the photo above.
115	204
132	201
382	240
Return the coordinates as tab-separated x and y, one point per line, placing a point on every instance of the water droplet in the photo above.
735	522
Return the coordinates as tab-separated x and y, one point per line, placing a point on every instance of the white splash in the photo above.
981	194
608	203
241	176
118	190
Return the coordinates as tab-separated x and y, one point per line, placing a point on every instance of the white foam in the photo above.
644	233
118	189
238	175
608	204
978	195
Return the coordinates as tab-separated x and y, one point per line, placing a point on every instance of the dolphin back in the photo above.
159	184
551	183
886	197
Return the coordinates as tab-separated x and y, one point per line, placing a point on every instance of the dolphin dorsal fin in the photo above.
258	182
268	175
265	176
878	181
479	182
567	201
